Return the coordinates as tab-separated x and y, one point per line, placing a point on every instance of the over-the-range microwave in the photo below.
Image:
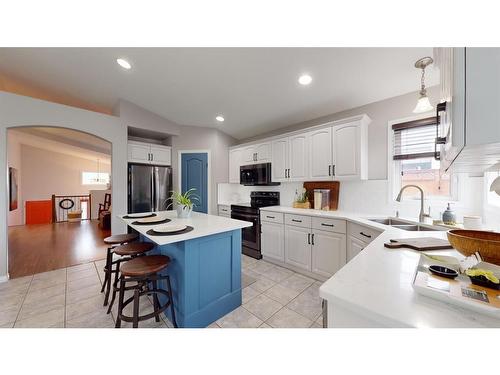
256	175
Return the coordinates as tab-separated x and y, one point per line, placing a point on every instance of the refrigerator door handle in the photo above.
153	208
156	188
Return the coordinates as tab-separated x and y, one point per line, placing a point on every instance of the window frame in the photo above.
394	169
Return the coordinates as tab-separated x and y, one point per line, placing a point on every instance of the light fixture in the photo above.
305	79
423	104
124	63
219	118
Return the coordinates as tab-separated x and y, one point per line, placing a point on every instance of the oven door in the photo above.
250	236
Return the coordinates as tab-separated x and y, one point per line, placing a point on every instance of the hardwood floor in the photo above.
45	247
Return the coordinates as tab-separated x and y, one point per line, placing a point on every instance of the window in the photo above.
415	160
95	178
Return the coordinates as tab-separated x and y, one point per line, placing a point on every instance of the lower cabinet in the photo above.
328	252
354	247
272	241
298	247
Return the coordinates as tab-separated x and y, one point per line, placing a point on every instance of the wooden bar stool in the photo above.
127	252
143	272
113	241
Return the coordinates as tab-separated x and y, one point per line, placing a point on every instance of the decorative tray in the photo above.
459	291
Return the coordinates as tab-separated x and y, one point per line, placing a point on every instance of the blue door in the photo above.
195	175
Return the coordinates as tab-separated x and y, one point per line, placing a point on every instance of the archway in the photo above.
59	201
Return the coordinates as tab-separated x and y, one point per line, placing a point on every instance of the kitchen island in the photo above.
205	268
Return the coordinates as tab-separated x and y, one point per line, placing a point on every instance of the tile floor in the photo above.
273	297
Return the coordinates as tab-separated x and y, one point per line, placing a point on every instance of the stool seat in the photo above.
145	265
121	238
133	248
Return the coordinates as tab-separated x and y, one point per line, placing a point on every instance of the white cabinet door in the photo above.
279	160
161	155
320	154
249	155
139	153
346	151
354	247
273	241
299	158
328	252
298	247
263	151
235	156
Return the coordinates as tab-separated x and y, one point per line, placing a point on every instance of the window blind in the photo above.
414	139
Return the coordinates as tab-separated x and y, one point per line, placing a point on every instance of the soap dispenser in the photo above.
449	217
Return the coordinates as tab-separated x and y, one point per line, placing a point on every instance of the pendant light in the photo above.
423	104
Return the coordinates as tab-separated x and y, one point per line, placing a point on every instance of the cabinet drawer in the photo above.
329	225
298	220
271	217
224	210
362	233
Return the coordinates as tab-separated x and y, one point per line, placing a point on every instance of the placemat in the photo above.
138	217
151	223
151	232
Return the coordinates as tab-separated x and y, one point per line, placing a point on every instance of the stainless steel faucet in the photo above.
422	214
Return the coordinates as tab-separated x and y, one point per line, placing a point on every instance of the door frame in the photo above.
209	177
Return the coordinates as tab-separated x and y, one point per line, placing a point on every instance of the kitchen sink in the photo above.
408	225
390	221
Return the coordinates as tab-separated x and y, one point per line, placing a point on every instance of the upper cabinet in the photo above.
146	153
235	160
333	151
468	116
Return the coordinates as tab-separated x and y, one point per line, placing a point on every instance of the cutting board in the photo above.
419	244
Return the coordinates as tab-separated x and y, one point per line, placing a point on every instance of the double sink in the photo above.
408	225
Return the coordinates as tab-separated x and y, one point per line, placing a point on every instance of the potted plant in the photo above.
184	202
301	200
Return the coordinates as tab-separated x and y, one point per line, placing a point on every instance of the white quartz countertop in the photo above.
377	283
203	224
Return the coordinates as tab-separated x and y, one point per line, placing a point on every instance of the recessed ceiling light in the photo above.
305	79
124	63
219	118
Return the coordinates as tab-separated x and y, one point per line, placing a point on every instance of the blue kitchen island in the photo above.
205	268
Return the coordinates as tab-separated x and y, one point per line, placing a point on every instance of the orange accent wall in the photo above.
38	212
20	87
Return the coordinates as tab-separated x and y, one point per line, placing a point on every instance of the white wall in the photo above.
17	110
45	173
15	217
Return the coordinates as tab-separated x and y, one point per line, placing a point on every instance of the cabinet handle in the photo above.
152	157
327	225
308	238
329	170
288	172
366	235
312	239
285	173
297	221
270	217
333	170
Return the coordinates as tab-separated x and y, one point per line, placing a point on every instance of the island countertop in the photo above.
203	224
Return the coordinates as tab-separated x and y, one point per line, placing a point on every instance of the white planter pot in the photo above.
184	212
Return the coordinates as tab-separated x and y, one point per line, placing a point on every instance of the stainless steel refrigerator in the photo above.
149	187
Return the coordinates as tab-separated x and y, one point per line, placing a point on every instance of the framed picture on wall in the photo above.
12	189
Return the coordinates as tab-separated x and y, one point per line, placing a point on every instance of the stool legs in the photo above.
171	299
156	302
106	273
120	303
115	286
135	315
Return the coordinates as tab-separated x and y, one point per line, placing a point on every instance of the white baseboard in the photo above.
4	278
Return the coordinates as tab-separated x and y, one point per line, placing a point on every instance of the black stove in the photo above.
250	212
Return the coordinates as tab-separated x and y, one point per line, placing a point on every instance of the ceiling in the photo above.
65	141
255	89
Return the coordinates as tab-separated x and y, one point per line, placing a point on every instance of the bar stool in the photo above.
143	272
127	252
113	241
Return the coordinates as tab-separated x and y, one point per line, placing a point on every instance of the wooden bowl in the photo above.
467	242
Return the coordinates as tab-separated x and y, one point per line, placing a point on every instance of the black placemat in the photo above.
151	232
164	221
138	217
